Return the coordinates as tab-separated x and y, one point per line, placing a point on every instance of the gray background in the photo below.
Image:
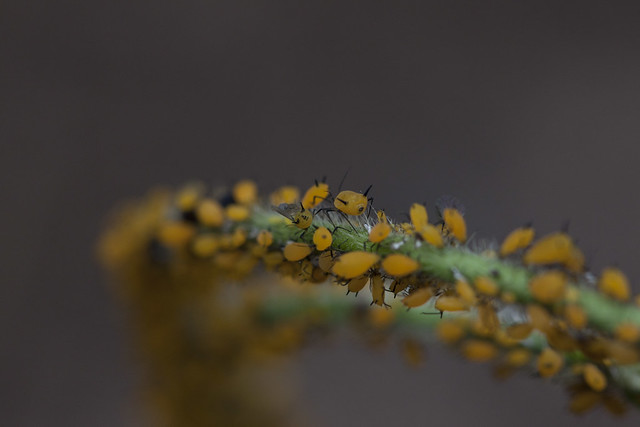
525	110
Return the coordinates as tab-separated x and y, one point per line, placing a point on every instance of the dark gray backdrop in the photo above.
525	110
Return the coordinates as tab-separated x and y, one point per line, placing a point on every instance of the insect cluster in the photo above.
524	304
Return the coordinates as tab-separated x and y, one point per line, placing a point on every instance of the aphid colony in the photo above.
320	236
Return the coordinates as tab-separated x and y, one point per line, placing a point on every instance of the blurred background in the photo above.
524	110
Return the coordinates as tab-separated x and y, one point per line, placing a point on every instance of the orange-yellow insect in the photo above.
315	195
287	194
555	248
354	264
297	214
322	238
418	297
431	234
379	232
449	303
377	290
614	283
264	238
351	202
518	239
237	213
296	251
479	351
399	265
245	192
549	286
356	284
454	222
209	213
549	363
594	377
419	216
486	285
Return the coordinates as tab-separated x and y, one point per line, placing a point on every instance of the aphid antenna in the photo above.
343	178
367	191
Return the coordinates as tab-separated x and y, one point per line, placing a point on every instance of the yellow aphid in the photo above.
399	285
381	318
518	357
508	297
449	303
264	238
175	234
209	213
289	269
245	192
412	351
431	234
519	331
479	351
418	297
399	265
539	317
554	248
205	245
576	316
382	217
488	317
419	216
379	232
326	261
238	238
500	336
300	217
315	195
354	264
466	292
356	284
377	290
188	196
351	202
548	287
405	227
583	401
485	285
559	337
449	332
237	213
297	251
287	194
518	239
614	404
322	238
272	259
594	377
575	261
454	221
318	275
549	363
622	353
614	283
627	332
256	250
226	260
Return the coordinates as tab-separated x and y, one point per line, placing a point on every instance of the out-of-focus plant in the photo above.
527	304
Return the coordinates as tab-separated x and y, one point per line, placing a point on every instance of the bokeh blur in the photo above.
525	110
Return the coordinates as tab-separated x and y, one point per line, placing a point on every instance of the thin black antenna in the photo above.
343	178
